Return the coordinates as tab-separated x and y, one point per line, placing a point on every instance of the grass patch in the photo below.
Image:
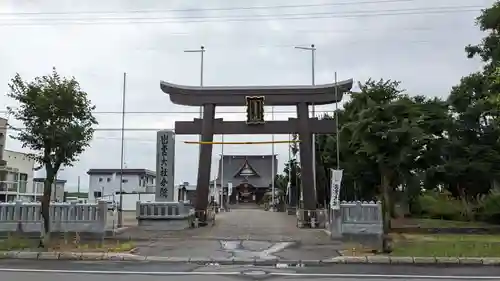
17	243
446	245
62	245
106	246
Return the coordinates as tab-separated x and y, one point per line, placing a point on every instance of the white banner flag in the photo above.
336	179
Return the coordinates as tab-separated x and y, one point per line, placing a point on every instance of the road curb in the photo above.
231	261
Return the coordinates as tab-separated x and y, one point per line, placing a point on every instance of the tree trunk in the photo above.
386	211
465	203
45	207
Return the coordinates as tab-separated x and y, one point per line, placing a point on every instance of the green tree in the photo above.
57	126
291	172
471	150
489	48
386	131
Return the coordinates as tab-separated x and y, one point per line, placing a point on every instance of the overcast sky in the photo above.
247	43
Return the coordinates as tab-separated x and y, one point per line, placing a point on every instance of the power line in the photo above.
186	112
240	45
440	28
357	30
111	129
350	3
304	16
105	129
266	16
220	47
152	140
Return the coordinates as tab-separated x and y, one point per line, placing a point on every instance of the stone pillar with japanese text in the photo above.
165	157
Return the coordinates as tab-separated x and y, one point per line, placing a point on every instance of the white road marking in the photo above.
291	274
236	247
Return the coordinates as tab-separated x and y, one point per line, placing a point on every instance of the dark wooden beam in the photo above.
241	128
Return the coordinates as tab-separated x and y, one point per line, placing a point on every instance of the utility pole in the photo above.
120	204
78	185
273	172
289	184
201	51
312	48
336	116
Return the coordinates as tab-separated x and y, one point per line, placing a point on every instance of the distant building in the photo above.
105	183
58	188
250	175
3	139
17	180
185	192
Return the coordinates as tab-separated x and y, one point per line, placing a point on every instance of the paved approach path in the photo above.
242	232
244	223
257	224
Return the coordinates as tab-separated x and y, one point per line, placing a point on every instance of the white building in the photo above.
3	137
17	177
105	183
17	180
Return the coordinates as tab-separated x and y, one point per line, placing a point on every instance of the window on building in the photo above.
108	179
97	194
100	179
124	180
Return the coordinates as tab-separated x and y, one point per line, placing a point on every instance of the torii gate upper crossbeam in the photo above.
274	95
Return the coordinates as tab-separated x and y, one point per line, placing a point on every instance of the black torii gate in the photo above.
254	98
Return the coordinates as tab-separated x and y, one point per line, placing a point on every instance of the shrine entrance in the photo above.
246	193
254	99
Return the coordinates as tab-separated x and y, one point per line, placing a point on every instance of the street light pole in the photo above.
201	50
312	48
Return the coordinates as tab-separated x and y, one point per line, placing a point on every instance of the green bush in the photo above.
440	206
489	207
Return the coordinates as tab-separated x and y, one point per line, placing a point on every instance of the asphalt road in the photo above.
134	277
147	271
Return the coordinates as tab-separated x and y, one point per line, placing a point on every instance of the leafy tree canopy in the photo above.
56	116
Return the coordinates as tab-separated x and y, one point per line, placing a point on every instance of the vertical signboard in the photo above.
336	179
165	155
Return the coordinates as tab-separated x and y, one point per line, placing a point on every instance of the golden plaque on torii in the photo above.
255	110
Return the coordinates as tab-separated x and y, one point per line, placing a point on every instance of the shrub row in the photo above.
444	206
